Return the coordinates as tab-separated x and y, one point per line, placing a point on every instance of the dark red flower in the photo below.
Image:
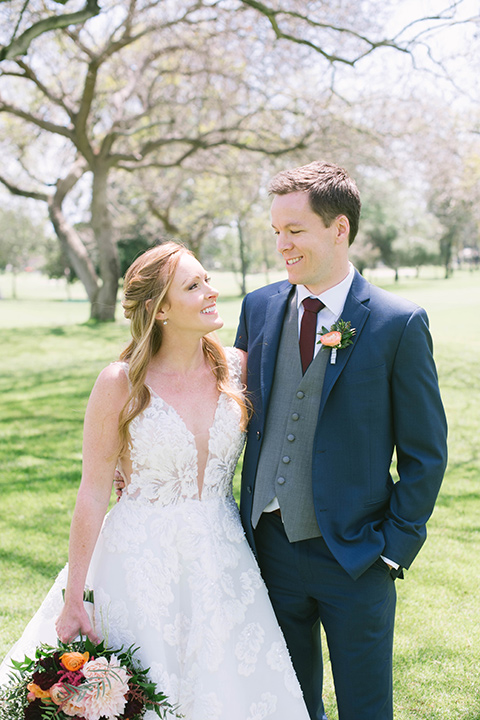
45	678
50	662
33	711
133	707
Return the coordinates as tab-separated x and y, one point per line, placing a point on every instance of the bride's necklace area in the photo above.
175	385
193	395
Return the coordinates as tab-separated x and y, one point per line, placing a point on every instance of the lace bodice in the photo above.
164	454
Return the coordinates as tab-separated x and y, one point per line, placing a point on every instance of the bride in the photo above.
169	566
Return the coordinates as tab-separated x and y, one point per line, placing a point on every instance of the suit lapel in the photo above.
274	318
356	311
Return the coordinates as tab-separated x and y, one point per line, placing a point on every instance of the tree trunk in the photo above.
103	308
70	241
243	257
74	249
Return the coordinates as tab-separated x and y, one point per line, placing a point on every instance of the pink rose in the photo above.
59	693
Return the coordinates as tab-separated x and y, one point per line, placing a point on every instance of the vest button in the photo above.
295	416
300	395
281	480
286	459
290	437
249	489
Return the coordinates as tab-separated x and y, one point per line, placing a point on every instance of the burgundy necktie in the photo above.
308	330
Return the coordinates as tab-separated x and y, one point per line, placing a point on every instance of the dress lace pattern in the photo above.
173	574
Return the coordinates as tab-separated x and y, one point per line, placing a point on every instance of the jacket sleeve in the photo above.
420	432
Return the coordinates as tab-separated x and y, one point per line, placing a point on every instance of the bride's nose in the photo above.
211	291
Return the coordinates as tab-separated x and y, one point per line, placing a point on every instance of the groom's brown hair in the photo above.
331	191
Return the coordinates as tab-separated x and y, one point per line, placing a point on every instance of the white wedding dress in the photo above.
172	573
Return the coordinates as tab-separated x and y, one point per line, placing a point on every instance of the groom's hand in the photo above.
118	484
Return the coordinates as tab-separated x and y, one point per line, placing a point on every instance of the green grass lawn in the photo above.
49	362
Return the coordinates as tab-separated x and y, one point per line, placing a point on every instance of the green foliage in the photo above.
20	239
130	248
396	229
56	264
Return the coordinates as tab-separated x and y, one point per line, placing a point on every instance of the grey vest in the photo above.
285	464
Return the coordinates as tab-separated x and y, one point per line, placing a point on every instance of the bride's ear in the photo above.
161	313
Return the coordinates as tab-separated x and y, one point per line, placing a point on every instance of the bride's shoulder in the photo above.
112	384
237	362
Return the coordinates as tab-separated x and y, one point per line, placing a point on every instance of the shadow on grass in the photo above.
39	480
38	564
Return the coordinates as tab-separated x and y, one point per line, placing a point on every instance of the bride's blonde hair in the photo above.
146	285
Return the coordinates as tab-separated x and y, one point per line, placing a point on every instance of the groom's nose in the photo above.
283	242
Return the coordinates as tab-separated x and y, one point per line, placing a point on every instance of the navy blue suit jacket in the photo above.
381	395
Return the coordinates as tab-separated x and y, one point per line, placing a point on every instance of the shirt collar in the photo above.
334	298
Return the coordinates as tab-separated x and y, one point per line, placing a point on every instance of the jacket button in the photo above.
290	437
295	416
281	481
249	490
286	459
259	434
300	395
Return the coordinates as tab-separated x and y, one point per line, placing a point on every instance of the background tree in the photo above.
21	240
171	86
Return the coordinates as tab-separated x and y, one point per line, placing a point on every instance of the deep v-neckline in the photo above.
155	393
191	434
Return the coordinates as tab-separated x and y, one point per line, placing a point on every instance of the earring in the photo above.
164	322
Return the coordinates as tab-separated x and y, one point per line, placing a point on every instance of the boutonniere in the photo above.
338	337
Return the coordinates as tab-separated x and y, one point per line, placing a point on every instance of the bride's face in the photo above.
191	302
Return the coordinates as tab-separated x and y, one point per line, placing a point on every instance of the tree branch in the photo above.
272	15
30	74
15	190
19	46
43	124
195	145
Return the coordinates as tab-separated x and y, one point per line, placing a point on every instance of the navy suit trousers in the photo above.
307	588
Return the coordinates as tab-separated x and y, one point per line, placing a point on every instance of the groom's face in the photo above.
314	254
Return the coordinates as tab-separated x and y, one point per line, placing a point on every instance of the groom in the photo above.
330	528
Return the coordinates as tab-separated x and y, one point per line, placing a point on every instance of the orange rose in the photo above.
74	660
37	691
331	339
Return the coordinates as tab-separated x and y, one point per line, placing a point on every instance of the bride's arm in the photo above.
100	446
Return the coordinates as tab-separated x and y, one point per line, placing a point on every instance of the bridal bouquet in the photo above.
81	680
